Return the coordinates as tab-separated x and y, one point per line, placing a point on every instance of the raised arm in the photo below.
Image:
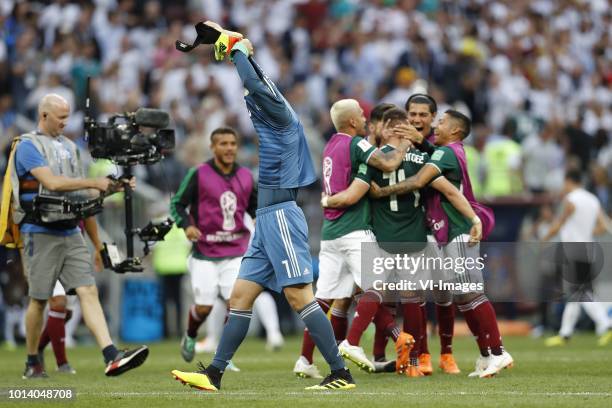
258	85
391	160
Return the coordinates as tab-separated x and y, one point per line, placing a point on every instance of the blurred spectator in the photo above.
543	161
502	164
525	62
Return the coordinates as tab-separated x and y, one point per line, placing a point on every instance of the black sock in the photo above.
33	359
110	352
214	374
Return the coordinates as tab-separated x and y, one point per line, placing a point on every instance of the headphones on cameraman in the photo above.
432	101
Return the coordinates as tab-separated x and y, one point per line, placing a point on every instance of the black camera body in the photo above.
131	138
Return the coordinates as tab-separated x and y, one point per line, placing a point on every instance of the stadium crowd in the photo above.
534	76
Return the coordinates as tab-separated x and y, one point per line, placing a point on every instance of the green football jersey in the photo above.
400	218
356	217
445	160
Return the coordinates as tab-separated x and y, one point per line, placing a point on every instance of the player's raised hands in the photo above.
217	27
386	132
409	132
247	44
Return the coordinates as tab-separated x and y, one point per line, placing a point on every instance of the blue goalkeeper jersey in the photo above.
284	158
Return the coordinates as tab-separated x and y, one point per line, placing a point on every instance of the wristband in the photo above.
476	220
239	47
324	200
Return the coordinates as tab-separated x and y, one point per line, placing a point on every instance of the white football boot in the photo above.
481	364
497	363
356	355
304	369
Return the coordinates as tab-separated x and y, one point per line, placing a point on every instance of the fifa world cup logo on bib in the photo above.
327	172
229	204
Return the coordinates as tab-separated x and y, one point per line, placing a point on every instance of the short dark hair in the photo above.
464	122
379	111
395	115
224	130
422	99
574	175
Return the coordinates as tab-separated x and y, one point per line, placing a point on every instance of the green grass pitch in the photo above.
579	374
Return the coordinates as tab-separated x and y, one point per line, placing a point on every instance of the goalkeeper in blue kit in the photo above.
278	257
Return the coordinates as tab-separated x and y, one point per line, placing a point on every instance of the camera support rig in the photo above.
125	144
152	232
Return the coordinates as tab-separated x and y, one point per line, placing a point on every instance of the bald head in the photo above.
53	112
51	102
347	115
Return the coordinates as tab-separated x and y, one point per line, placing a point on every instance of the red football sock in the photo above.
413	325
195	321
424	348
308	344
366	309
44	338
488	323
380	344
57	332
384	318
339	323
445	315
387	320
473	323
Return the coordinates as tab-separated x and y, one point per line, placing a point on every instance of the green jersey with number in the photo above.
357	217
399	218
445	160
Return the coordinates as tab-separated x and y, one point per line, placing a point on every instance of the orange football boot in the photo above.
413	371
448	364
403	346
425	364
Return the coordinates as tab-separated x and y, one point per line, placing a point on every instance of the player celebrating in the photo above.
218	194
422	110
278	256
345	159
376	124
393	218
450	226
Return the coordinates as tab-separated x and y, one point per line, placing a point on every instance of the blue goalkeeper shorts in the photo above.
278	255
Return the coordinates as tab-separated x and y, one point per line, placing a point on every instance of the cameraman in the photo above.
48	163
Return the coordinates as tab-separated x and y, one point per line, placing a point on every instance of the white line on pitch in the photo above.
348	394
